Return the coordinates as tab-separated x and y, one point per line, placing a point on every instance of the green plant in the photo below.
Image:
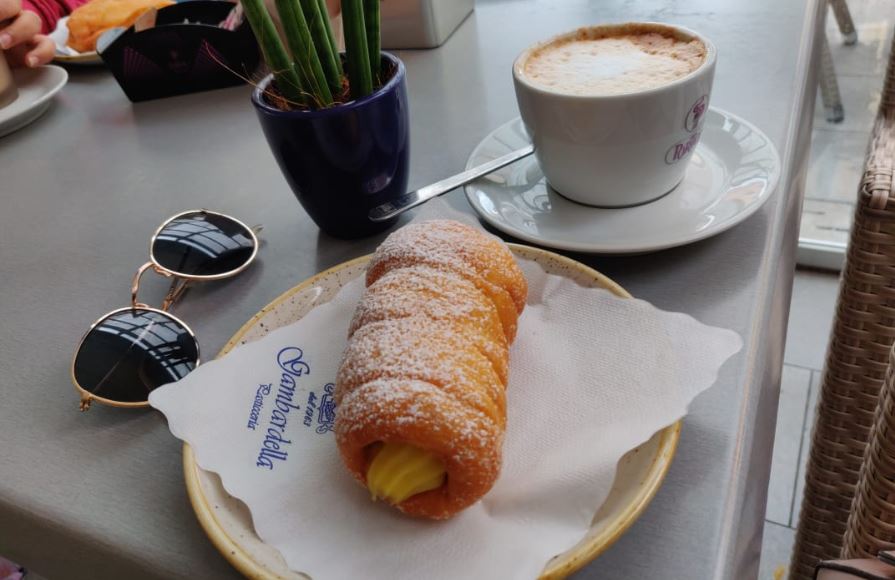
310	73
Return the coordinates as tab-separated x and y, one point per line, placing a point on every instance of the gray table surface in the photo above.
101	494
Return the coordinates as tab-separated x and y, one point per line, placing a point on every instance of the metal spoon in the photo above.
412	199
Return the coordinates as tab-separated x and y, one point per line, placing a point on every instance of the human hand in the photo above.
20	36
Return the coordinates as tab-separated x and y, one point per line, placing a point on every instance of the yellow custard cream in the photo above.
399	471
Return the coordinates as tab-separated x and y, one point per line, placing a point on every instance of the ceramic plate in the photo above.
733	171
67	55
227	520
36	89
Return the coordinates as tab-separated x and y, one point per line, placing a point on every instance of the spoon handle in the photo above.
422	195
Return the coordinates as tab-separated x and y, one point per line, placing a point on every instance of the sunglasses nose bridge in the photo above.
135	283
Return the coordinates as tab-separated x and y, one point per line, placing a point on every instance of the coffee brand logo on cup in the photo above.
681	150
696	113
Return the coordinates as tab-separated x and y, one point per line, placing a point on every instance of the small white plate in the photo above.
36	89
66	54
733	171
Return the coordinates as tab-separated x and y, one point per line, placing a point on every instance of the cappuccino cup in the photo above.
8	92
615	112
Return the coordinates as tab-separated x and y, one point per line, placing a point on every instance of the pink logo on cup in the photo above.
680	150
697	111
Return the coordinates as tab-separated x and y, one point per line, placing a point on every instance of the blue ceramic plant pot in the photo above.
342	161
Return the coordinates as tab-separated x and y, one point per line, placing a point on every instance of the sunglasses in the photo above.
131	351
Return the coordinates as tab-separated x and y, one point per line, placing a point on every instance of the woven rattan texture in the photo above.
871	524
857	357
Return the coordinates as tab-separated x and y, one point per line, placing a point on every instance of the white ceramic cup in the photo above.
8	92
616	150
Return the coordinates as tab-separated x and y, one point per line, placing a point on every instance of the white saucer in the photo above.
68	55
36	89
733	171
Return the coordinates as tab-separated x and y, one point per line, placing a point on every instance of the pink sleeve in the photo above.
50	11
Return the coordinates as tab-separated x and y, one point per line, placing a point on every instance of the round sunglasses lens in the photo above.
203	244
131	352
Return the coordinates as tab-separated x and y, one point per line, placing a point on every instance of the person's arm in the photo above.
20	38
50	11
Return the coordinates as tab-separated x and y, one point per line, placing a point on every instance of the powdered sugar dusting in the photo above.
430	294
427	358
422	349
452	246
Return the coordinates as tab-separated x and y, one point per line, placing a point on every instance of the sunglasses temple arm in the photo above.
178	288
256	229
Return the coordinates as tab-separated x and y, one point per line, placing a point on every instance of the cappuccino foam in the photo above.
618	61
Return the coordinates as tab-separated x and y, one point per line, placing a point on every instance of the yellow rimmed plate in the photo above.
227	520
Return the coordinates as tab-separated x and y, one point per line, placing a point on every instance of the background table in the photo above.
101	494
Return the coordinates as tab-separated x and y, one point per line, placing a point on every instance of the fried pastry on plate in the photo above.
87	22
421	392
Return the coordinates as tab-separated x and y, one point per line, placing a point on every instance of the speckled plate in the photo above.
227	520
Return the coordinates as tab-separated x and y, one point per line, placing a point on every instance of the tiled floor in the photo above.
810	318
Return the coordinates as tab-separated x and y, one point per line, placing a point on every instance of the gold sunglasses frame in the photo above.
178	287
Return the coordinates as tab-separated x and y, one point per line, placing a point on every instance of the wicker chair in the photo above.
871	526
829	85
844	21
857	358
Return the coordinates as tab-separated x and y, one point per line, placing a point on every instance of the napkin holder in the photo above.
184	52
421	23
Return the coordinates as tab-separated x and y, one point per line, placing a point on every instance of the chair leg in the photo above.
843	19
829	87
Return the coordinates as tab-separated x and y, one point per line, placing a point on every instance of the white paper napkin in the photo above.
591	377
